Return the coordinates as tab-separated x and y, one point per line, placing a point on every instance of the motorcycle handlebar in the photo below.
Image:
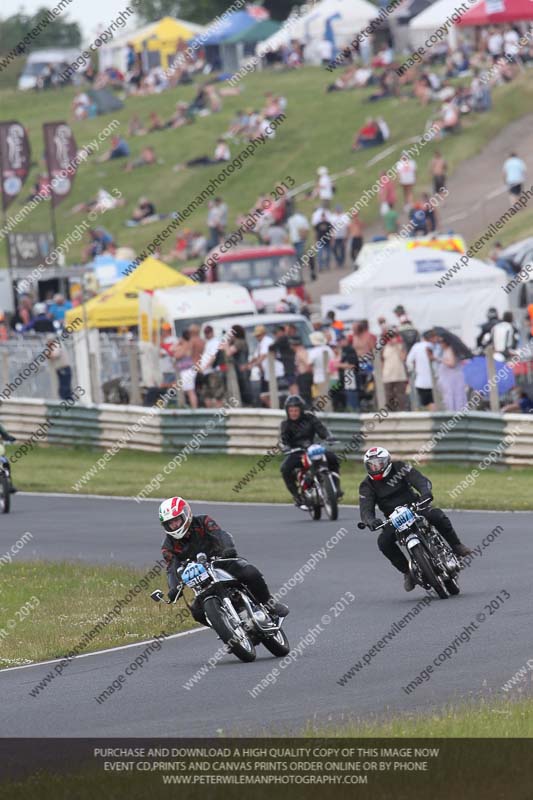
413	506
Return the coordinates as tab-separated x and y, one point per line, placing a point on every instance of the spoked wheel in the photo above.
330	497
315	511
428	573
5	496
236	639
277	644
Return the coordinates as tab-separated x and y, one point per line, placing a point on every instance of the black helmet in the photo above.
294	400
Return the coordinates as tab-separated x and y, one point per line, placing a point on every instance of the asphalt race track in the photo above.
279	539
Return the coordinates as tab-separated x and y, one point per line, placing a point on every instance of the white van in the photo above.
184	305
40	59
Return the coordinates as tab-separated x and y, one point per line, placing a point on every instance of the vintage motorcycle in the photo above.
5	481
432	562
229	608
317	485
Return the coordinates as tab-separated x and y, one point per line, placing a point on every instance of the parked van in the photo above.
302	326
39	60
184	305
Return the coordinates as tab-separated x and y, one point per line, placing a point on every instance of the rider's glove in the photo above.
172	594
229	552
375	524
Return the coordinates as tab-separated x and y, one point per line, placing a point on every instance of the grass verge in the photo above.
217	477
46	608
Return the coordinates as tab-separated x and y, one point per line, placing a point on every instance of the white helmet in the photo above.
175	515
378	463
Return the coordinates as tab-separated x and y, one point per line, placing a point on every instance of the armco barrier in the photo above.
424	436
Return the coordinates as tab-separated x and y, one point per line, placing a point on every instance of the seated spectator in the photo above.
370	135
119	149
81	105
143	211
417	219
503	263
147	158
156	123
181	116
222	154
100	241
135	126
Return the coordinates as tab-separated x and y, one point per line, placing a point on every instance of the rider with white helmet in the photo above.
188	534
395	483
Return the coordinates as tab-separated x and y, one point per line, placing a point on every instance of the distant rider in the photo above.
300	430
395	483
6	437
187	535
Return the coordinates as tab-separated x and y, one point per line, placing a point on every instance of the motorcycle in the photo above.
432	562
229	608
318	486
5	481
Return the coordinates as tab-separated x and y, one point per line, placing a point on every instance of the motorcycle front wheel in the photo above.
428	573
277	644
236	639
329	493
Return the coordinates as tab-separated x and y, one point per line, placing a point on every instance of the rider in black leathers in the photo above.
204	535
6	437
300	429
394	483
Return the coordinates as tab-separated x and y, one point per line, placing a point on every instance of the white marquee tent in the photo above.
426	23
408	278
337	20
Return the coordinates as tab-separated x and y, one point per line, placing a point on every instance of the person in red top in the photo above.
369	135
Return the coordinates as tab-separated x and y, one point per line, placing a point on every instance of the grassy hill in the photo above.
318	130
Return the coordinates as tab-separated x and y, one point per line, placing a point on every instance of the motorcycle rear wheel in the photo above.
428	572
218	619
5	495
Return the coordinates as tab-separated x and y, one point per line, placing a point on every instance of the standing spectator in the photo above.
236	350
355	235
182	352
324	187
41	322
386	194
341	223
285	354
259	364
348	367
514	171
417	220
394	374
323	232
298	227
24	313
485	335
304	370
439	169
495	44
316	359
504	337
390	221
211	361
406	169
167	343
217	220
419	365
451	378
405	328
363	341
61	365
430	212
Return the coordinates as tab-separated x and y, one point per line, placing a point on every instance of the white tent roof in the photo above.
435	15
410	278
347	17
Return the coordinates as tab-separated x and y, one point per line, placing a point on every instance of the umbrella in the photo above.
459	348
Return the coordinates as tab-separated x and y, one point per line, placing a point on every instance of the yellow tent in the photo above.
119	305
163	36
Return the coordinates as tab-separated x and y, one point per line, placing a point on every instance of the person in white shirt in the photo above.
258	364
316	357
324	186
298	227
341	223
510	43
318	214
504	337
418	362
325	50
495	44
514	170
213	377
406	170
